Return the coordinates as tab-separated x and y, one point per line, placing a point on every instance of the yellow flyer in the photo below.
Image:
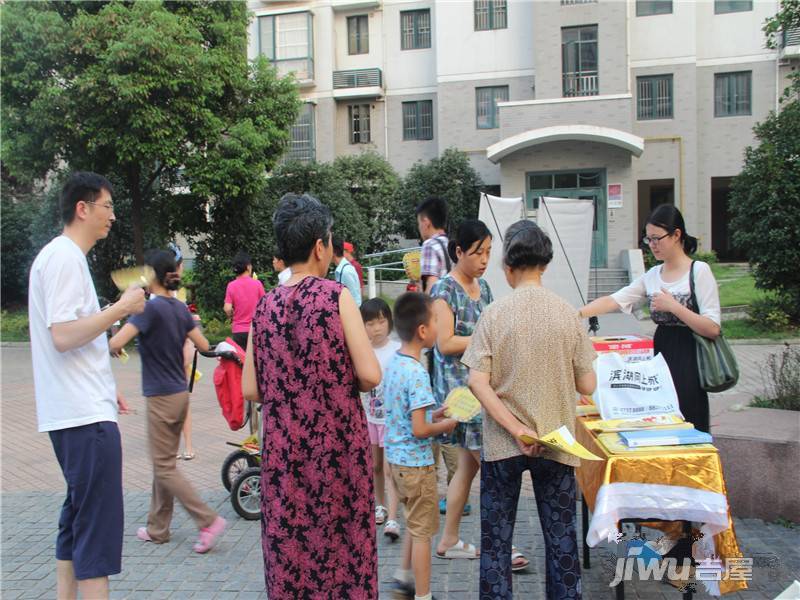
462	405
649	422
563	441
133	276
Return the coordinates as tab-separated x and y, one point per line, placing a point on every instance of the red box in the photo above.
631	347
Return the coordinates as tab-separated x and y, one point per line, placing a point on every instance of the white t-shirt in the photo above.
373	401
646	286
284	276
76	387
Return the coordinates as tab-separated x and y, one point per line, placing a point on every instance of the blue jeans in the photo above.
554	488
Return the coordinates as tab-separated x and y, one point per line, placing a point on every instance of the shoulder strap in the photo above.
695	305
447	263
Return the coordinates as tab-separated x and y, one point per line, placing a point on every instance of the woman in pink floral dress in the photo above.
307	358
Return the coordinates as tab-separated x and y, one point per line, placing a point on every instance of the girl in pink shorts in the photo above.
377	318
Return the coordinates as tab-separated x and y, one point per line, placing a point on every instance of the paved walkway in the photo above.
32	492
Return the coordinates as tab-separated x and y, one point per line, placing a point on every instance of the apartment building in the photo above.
627	103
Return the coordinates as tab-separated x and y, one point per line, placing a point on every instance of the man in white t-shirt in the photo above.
76	397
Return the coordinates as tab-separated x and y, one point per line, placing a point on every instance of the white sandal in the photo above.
460	550
392	530
380	514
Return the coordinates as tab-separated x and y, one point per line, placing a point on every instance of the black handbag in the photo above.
716	363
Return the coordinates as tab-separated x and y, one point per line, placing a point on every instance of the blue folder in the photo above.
664	437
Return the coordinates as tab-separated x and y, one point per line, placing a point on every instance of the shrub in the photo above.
770	313
782	380
14	326
709	257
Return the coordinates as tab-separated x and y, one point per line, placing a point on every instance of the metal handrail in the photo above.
395	251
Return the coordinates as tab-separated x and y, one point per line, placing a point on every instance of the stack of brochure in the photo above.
649	422
664	437
614	444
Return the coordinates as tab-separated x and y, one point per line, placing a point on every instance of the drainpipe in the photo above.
679	139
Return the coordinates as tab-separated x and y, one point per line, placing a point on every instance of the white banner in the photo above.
498	214
570	221
627	390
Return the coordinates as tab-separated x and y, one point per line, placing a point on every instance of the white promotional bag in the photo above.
627	390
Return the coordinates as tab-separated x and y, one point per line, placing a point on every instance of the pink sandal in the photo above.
208	535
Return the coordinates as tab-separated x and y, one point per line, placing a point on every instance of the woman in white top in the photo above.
667	290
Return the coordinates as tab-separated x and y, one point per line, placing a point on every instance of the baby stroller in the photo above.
241	471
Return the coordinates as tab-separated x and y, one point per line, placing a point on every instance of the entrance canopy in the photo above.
588	133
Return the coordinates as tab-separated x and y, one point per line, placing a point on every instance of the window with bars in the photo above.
654	97
301	142
722	7
579	61
415	29
732	94
646	8
358	34
487	115
418	120
358	115
490	14
286	40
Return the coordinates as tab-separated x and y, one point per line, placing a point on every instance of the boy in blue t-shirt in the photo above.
408	402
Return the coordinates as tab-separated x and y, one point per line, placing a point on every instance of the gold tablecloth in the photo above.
698	470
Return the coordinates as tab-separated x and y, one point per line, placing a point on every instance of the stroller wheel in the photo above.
233	466
246	494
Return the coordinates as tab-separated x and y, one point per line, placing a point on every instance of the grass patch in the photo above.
740	287
14	326
738	329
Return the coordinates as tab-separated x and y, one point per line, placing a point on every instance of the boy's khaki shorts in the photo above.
417	489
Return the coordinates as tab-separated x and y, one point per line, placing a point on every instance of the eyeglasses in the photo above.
108	206
649	241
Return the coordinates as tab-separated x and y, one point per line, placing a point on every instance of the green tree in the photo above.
449	176
765	207
157	94
373	185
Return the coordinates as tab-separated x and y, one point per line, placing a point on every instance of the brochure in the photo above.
562	440
664	437
613	443
462	405
648	422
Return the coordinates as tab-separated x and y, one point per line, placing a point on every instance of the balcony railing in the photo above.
572	2
791	37
356	78
581	84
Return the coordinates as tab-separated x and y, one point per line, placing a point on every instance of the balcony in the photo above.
790	43
580	84
347	5
358	83
574	2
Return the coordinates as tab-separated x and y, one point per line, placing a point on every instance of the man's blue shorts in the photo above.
92	520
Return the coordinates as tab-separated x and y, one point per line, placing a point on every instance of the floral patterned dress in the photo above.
317	527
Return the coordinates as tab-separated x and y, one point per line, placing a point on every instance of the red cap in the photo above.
348	247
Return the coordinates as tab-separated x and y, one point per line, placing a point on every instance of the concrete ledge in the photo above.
760	452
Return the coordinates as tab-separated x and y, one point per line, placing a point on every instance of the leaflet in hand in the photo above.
562	440
462	405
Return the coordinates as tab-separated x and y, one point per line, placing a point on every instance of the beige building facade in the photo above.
627	103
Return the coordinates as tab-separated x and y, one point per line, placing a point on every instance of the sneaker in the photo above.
208	535
142	534
443	506
467	510
380	514
392	530
402	591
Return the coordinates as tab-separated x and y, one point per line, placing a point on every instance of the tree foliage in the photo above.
765	206
788	17
372	184
449	176
157	94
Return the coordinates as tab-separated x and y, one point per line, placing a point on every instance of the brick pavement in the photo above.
32	492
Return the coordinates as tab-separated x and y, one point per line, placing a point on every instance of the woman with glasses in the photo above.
666	289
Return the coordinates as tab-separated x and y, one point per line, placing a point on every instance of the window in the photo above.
645	8
359	123
732	93
415	29
654	99
579	61
418	120
286	40
301	144
730	6
487	114
490	14
358	35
